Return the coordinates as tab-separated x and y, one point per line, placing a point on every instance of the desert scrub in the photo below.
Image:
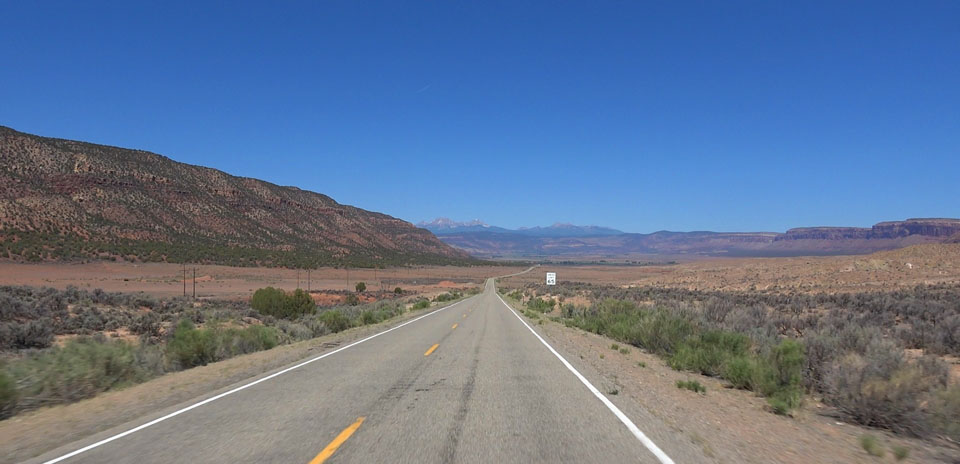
191	347
691	385
174	333
82	368
421	304
448	296
540	305
945	416
871	445
335	320
900	452
883	389
8	394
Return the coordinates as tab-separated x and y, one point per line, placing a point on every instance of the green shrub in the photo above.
945	409
233	342
8	394
661	332
540	305
335	320
780	376
447	296
421	304
657	331
691	385
784	400
900	452
277	303
268	300
361	287
190	347
779	406
709	352
741	372
398	291
871	445
82	368
298	303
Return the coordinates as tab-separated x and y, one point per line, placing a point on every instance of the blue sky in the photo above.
643	116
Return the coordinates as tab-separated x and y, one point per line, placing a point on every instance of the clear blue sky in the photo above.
637	115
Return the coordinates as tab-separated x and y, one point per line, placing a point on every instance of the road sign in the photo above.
551	278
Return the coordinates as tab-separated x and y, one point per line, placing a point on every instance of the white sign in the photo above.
551	278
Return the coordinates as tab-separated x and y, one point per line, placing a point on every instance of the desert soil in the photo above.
908	267
226	282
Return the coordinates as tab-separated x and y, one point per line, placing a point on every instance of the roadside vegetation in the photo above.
876	357
61	346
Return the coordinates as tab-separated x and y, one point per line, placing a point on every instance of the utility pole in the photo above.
298	278
184	278
194	283
308	280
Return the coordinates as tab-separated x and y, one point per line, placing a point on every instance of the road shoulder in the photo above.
728	425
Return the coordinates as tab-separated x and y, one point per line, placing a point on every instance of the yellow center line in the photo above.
332	447
454	326
431	349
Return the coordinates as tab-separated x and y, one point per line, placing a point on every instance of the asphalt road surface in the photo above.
467	383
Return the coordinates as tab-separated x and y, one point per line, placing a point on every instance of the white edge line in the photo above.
612	407
242	387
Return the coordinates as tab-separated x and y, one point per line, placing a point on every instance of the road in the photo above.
468	383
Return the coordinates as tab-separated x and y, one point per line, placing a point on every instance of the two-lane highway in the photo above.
467	383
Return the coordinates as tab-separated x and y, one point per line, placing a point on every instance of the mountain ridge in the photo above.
442	226
794	242
65	199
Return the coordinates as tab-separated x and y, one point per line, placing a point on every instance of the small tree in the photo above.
398	291
361	287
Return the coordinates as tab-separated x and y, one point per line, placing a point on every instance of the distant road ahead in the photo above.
467	383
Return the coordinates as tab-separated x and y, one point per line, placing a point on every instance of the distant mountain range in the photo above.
62	199
445	226
564	240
